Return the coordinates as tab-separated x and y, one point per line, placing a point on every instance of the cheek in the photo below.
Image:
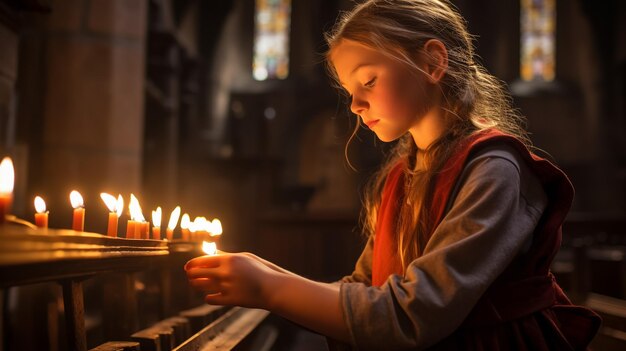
411	95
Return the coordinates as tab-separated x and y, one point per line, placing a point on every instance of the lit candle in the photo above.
142	230
115	206
156	224
145	229
200	225
7	180
141	226
119	209
209	248
184	226
171	225
133	227
78	222
41	216
216	229
192	231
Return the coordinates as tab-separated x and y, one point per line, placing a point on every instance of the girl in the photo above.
463	220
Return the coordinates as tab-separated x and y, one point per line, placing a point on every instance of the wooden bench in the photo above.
171	332
199	317
225	328
117	346
607	270
232	329
612	333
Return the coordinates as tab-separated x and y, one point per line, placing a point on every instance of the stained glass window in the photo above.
272	20
538	26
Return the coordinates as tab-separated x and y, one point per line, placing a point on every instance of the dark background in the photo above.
157	98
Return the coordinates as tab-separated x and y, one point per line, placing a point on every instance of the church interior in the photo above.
201	108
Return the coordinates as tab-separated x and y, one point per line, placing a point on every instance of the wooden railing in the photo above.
591	267
143	299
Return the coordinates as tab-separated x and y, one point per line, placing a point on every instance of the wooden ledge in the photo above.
30	256
19	245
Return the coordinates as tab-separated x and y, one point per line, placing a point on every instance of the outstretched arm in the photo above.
246	280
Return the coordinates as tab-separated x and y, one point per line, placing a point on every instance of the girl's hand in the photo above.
232	279
269	264
244	279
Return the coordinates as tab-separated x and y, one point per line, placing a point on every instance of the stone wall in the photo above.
82	116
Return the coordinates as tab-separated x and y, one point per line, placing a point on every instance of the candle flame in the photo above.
40	205
174	218
216	227
199	224
156	217
109	201
76	199
185	221
119	206
209	248
7	176
135	209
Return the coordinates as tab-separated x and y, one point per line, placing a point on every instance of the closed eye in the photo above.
371	82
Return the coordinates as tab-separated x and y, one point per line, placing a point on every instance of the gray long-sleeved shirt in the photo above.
490	219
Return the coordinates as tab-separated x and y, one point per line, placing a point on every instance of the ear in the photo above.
436	60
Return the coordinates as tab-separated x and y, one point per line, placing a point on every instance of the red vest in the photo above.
524	300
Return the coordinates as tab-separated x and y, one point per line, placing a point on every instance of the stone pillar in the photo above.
8	76
93	117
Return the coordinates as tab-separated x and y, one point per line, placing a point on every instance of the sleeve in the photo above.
490	220
363	268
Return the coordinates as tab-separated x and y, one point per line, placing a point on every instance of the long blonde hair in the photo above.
474	99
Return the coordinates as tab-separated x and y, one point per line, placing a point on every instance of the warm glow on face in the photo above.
119	206
216	227
109	201
76	199
185	221
209	248
7	176
174	218
156	217
40	205
135	209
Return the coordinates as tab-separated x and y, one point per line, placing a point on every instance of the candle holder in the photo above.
13	220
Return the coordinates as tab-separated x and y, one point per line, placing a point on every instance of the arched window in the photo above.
272	21
538	27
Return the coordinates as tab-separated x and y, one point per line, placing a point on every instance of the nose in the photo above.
358	105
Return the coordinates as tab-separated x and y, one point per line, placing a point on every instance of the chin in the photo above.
385	138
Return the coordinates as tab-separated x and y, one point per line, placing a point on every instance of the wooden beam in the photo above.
226	332
74	315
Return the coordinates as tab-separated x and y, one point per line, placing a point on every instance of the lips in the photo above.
372	123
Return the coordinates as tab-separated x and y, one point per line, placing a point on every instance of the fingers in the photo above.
204	261
205	285
194	273
215	299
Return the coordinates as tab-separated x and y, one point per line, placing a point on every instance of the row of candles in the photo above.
137	227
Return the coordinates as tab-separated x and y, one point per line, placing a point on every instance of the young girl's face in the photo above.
389	97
